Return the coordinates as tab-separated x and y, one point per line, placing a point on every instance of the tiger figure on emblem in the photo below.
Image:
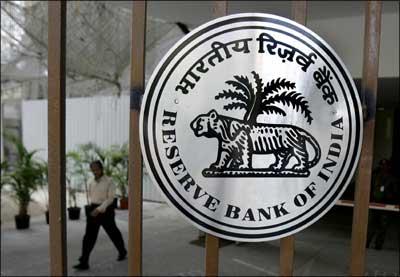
239	140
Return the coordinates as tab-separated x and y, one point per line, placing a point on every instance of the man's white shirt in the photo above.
102	192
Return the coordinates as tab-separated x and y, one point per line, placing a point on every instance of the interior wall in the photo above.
346	37
340	23
383	142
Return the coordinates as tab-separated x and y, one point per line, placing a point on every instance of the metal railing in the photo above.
56	113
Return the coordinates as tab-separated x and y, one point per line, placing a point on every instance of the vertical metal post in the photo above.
372	35
299	11
212	255
135	157
220	8
286	257
56	136
287	245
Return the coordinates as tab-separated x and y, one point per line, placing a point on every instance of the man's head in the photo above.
385	166
97	169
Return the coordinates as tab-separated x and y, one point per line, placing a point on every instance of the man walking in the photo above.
100	213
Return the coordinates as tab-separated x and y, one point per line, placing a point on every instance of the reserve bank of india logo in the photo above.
251	127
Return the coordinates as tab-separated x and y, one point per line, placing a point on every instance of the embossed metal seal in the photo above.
251	127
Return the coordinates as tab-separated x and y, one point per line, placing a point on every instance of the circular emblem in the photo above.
251	127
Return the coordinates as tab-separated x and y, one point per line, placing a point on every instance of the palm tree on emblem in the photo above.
263	98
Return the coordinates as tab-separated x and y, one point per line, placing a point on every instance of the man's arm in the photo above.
89	191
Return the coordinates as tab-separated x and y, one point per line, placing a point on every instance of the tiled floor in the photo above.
168	249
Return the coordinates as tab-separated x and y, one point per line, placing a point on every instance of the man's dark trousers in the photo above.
107	220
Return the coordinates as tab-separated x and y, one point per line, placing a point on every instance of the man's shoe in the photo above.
122	256
81	266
